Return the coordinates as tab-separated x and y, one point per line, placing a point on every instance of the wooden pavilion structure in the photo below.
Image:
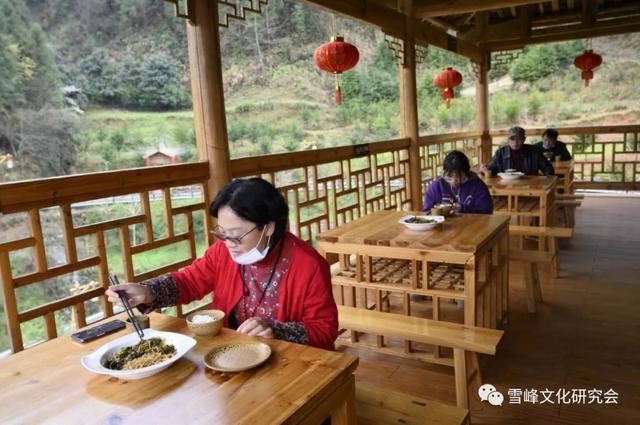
344	183
473	29
381	175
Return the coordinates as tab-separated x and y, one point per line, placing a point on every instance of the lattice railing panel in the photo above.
62	237
324	194
433	150
604	157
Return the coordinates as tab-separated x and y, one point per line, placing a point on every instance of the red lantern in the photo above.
587	62
446	80
336	57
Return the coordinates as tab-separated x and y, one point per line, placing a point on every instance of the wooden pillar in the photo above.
482	108
207	91
409	105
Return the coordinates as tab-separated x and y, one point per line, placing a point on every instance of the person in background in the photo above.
518	156
552	147
459	185
268	282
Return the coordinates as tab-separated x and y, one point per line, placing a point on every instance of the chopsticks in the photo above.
113	280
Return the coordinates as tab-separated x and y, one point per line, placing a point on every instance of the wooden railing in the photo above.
49	215
605	157
328	187
324	188
434	148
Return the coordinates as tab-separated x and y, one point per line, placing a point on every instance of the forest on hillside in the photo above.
124	63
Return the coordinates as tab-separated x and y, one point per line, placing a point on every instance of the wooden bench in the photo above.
466	341
569	197
379	406
533	257
568	207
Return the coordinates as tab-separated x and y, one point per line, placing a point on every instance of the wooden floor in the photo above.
585	335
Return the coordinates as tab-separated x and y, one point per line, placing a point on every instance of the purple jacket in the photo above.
473	197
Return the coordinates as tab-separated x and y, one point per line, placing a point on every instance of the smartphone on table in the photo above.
96	332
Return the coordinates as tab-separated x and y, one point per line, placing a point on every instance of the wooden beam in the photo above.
431	8
409	105
392	22
574	32
589	12
482	21
483	33
482	108
441	23
620	10
207	92
464	20
524	19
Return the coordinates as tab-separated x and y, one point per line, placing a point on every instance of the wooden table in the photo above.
465	258
298	384
524	198
564	171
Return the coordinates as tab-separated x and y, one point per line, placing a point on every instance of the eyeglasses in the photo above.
236	240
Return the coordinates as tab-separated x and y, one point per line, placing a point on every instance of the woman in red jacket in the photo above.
268	282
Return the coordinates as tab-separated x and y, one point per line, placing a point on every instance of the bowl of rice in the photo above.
128	358
205	322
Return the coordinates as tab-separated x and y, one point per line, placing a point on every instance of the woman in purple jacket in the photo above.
459	185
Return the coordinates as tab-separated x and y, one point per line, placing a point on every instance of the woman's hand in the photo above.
256	326
136	294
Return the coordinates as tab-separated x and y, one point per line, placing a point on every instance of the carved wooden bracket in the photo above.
505	57
396	45
237	9
231	9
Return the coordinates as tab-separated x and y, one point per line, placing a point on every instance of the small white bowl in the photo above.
206	328
437	219
93	361
511	176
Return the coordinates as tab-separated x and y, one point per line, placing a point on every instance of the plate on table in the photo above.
511	175
94	362
237	356
421	222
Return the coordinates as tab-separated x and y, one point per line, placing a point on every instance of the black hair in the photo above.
457	162
551	133
255	200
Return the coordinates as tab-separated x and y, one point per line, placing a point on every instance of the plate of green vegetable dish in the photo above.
129	358
421	222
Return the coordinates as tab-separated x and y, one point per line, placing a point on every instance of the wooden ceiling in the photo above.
475	27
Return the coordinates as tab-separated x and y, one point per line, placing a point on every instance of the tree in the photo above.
28	74
44	142
98	79
152	83
536	63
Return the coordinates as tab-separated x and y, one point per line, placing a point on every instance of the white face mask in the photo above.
253	255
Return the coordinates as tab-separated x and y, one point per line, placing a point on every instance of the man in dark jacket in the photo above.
520	157
552	147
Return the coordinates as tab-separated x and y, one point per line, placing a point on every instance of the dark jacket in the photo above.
473	196
560	148
532	158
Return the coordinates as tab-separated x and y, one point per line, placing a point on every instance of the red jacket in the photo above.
305	294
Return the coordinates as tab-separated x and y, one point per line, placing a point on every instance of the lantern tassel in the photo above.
338	95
